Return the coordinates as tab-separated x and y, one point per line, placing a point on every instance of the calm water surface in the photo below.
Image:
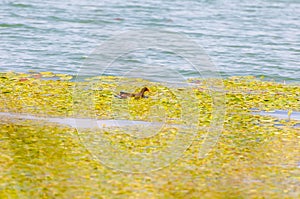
258	37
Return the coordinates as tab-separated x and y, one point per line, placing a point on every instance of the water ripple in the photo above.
242	37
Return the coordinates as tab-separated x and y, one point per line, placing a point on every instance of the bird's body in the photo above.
124	95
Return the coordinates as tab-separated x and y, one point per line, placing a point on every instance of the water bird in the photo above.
124	95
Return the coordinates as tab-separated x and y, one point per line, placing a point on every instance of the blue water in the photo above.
257	37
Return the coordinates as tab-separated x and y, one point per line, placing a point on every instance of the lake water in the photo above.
258	37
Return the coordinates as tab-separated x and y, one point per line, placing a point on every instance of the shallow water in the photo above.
89	123
281	114
241	37
137	129
80	122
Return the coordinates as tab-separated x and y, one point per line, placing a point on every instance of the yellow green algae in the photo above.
253	158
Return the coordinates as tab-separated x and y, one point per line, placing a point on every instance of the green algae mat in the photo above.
254	156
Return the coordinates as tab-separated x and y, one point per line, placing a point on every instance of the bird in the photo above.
124	95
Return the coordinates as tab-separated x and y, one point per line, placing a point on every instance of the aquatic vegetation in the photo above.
254	157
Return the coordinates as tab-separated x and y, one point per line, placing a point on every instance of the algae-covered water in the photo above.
254	156
65	135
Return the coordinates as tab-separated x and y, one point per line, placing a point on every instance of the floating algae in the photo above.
253	157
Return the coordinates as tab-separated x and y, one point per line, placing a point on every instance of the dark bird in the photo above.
124	95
